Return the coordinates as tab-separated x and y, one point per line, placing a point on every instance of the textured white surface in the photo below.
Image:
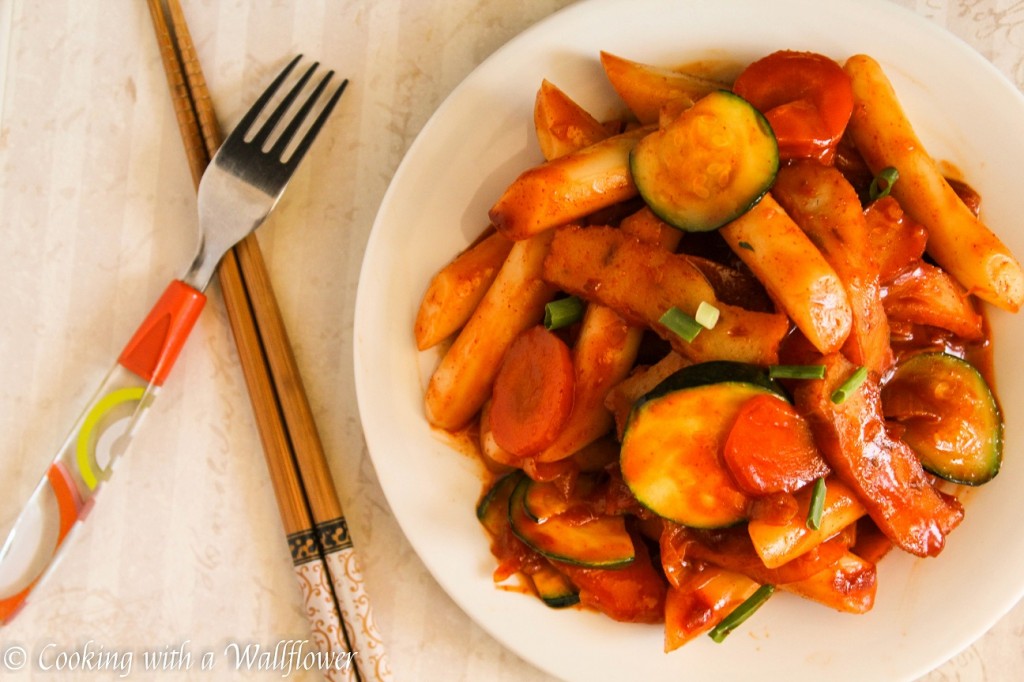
184	549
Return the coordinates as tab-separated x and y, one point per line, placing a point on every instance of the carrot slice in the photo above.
771	449
533	392
806	97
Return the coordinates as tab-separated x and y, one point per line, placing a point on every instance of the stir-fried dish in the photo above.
728	344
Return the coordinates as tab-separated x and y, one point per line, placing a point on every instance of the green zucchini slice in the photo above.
671	456
948	416
554	589
492	509
592	541
709	165
715	372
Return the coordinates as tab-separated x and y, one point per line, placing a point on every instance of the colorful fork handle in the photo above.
65	493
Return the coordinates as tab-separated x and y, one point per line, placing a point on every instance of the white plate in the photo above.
481	138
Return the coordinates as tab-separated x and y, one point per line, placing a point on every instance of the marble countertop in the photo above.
185	549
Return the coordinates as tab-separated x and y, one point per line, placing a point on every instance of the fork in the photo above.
238	190
245	180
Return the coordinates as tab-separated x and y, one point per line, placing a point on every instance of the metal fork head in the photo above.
251	169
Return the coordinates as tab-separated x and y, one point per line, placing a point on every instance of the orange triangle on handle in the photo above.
151	352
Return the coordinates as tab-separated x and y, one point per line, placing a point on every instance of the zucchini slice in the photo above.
579	539
671	456
948	416
492	509
554	589
714	372
709	165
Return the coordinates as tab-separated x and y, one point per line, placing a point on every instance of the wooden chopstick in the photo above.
311	513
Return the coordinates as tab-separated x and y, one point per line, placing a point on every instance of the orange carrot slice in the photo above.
770	448
533	392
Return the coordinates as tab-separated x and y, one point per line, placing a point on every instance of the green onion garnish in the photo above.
563	312
706	315
741	613
797	371
746	245
817	504
882	183
851	384
680	323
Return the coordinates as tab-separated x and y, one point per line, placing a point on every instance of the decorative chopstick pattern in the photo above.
324	560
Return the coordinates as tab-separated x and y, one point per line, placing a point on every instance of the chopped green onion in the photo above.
563	312
741	613
851	384
817	504
797	371
882	183
746	245
680	323
706	315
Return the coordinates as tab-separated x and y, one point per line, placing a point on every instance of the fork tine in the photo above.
242	127
311	134
282	142
268	127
